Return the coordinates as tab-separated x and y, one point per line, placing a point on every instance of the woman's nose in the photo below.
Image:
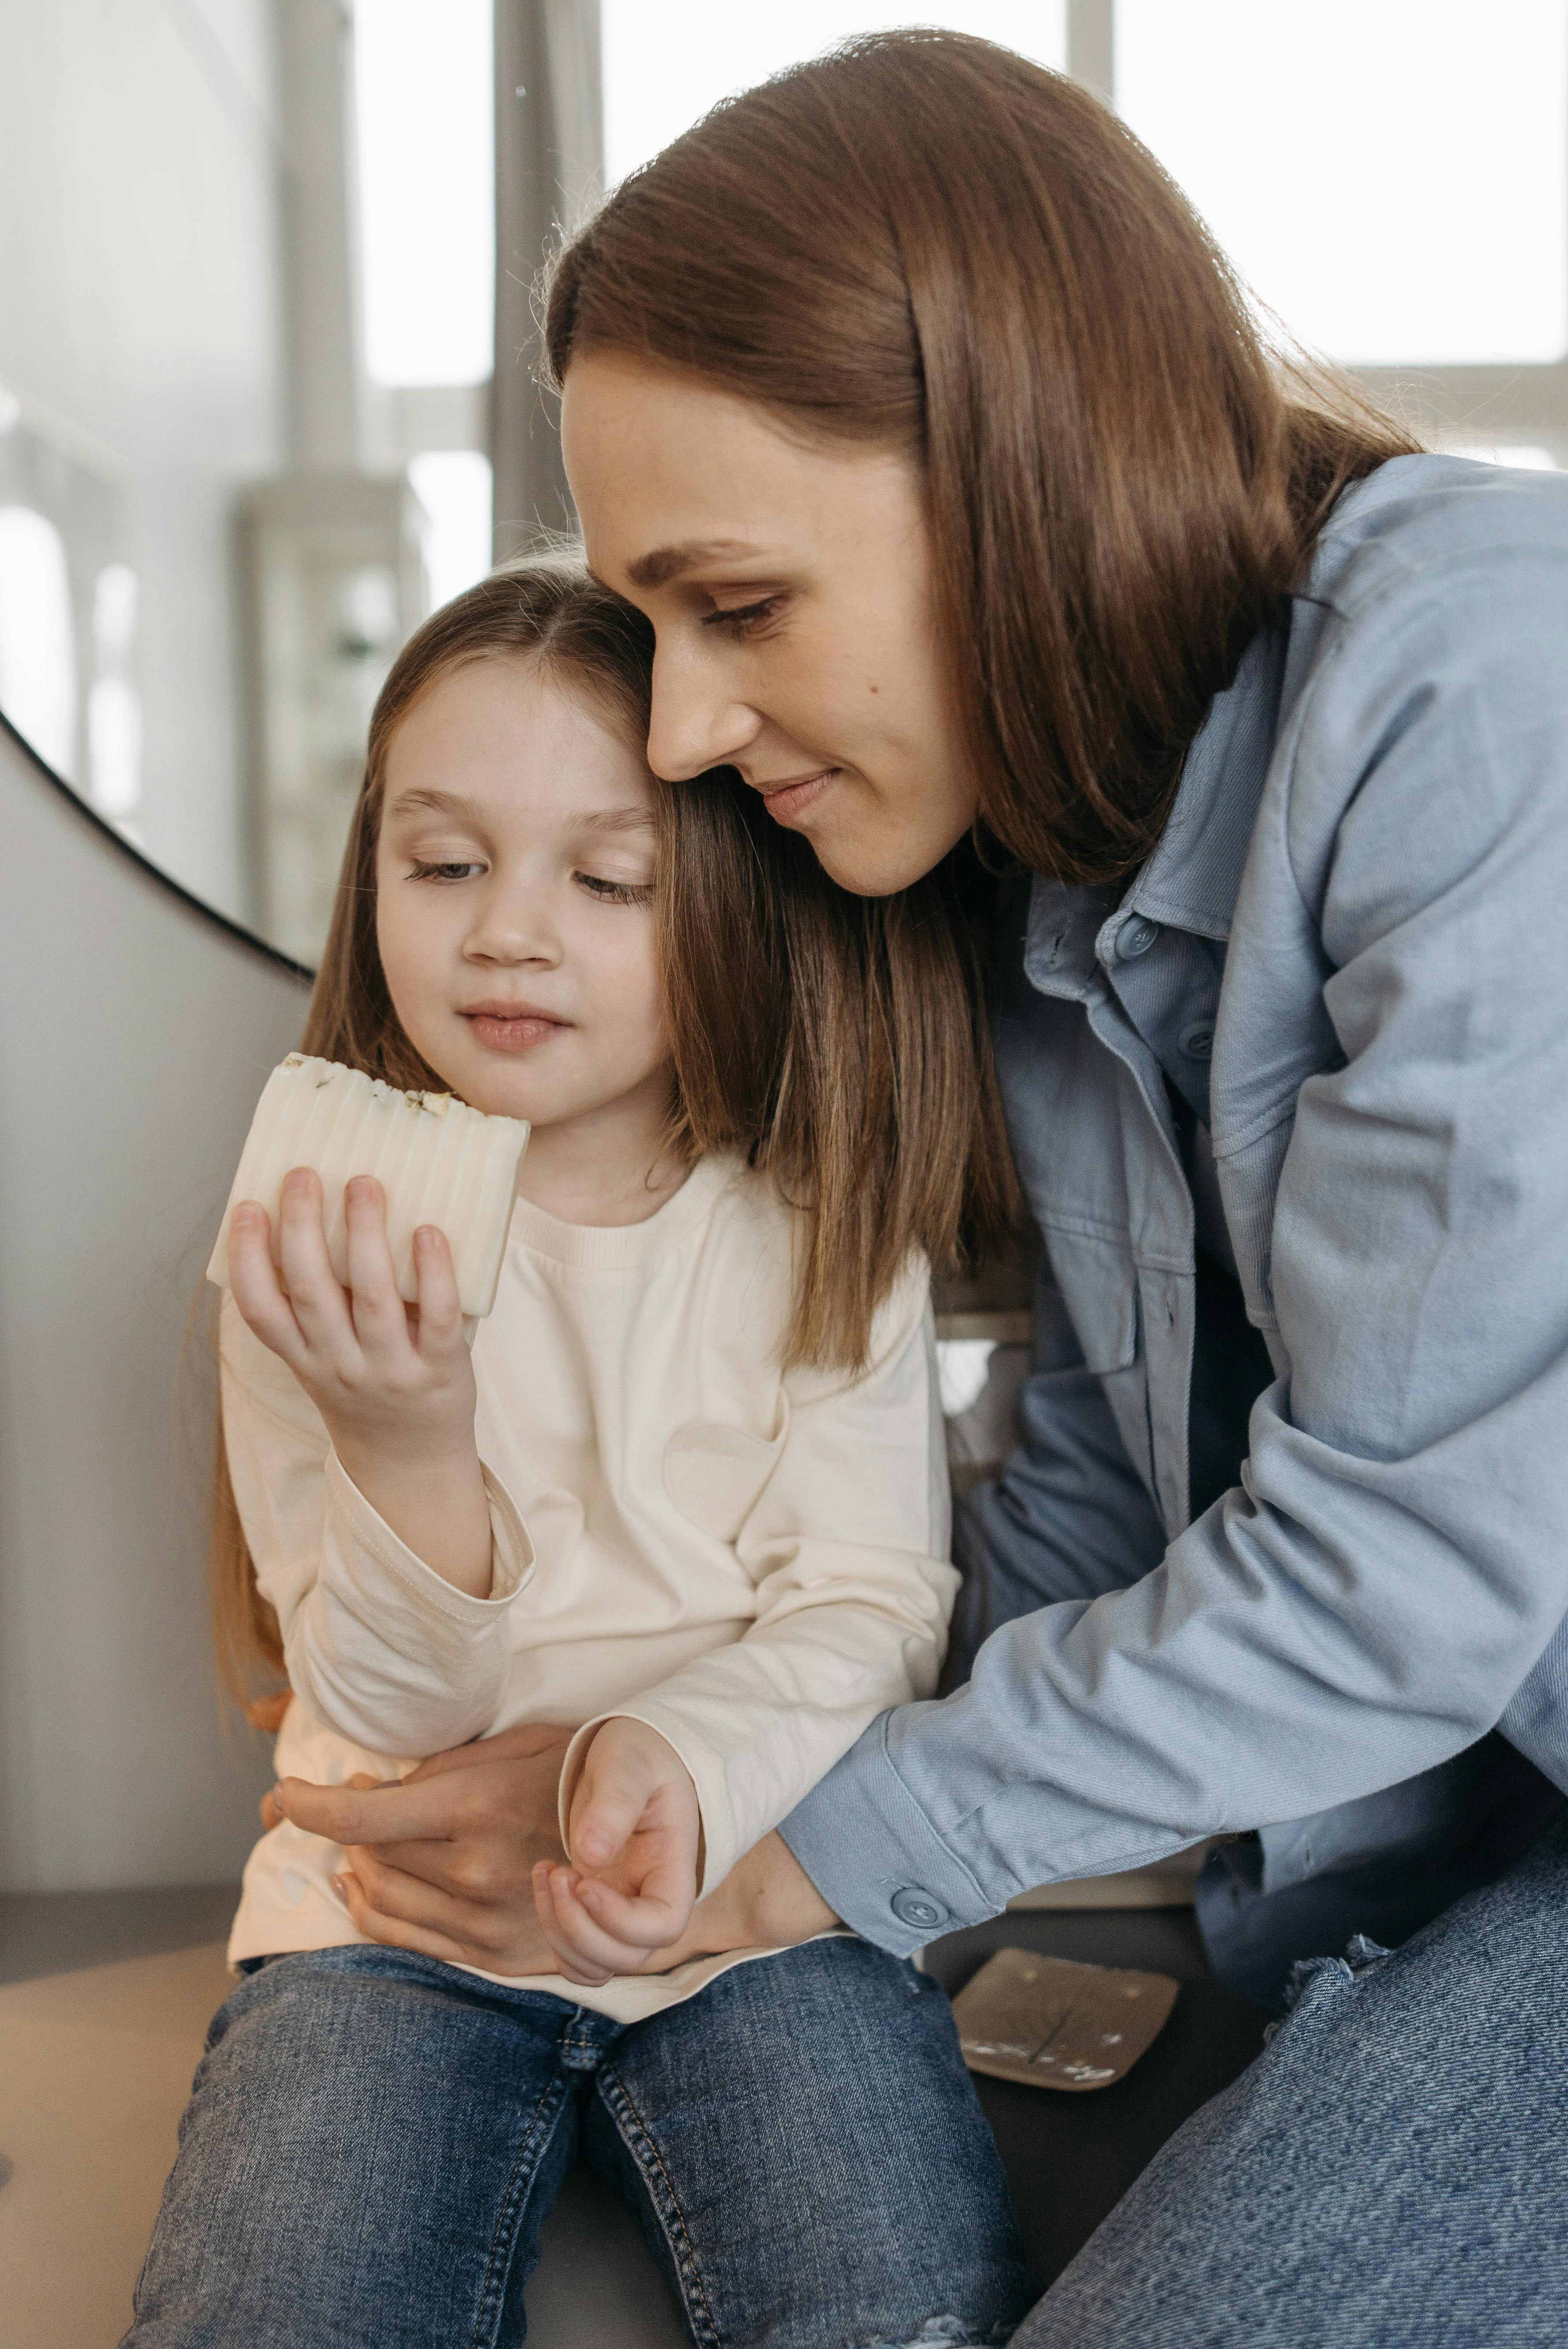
695	723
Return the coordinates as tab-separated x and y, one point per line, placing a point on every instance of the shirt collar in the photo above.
1190	880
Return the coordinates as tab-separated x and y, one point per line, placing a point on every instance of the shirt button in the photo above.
915	1907
1197	1042
1136	937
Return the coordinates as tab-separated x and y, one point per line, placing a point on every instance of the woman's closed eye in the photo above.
747	619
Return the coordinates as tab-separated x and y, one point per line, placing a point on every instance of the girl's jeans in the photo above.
374	2138
1392	2172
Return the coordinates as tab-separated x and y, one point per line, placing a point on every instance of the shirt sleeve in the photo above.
847	1547
1370	1599
379	1647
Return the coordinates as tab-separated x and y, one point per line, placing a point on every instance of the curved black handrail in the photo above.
165	880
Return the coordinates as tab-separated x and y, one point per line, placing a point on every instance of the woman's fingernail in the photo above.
340	1885
277	1801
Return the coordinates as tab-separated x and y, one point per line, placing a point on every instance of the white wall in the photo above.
141	304
135	1034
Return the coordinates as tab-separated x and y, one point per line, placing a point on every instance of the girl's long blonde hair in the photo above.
841	1044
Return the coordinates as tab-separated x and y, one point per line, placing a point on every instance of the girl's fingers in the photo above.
320	1304
254	1285
650	1918
609	1801
587	1953
381	1318
441	1310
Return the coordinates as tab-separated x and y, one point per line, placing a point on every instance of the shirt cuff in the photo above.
512	1552
717	1860
875	1858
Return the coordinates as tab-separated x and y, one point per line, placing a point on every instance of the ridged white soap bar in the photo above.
438	1161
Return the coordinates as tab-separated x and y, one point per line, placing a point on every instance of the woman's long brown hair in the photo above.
841	1044
923	242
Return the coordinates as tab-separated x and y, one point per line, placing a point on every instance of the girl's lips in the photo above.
513	1032
786	802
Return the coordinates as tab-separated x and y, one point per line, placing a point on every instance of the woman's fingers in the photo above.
398	1934
404	1899
397	1811
255	1287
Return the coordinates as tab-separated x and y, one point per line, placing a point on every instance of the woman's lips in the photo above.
787	801
503	1027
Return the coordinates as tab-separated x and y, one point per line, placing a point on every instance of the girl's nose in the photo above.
695	723
514	927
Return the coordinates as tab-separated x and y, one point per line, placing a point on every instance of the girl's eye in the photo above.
746	619
453	872
616	892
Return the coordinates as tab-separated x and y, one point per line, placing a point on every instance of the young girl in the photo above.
686	1490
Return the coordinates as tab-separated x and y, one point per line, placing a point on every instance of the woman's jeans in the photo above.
374	2138
1391	2173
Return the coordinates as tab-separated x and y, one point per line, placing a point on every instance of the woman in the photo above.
910	403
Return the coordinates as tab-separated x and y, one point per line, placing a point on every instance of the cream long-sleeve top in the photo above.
752	1561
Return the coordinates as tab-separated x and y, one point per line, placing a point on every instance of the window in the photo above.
1391	180
665	66
37	640
423	85
453	486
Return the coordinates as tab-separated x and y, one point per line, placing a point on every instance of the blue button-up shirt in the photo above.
1351	931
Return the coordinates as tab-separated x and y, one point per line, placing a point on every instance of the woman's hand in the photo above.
634	1839
393	1382
443	1861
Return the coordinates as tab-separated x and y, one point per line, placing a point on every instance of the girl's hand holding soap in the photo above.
393	1381
634	1839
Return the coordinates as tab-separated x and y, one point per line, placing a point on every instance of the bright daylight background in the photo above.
1389	176
665	64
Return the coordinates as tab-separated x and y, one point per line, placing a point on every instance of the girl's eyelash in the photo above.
609	893
459	870
746	618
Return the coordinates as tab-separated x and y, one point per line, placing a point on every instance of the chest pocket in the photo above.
714	1473
1098	1284
1099	1287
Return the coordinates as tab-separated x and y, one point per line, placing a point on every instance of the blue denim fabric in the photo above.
373	2140
1392	2172
1372	825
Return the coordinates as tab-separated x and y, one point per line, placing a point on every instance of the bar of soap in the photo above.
438	1161
1055	2022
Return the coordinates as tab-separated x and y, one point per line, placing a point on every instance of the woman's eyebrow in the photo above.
668	562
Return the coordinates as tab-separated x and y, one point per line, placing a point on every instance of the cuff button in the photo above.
912	1906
